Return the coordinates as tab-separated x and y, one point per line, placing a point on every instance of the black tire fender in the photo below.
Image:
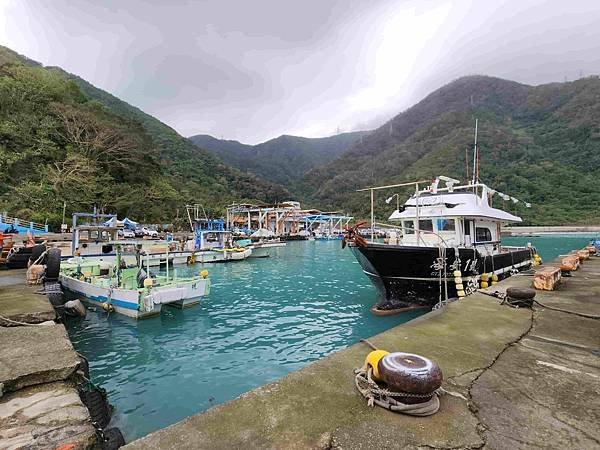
113	439
520	293
98	406
52	264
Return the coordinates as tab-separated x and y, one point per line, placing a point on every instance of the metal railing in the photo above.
23	225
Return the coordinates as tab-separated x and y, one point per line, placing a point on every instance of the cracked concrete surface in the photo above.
39	408
34	355
19	302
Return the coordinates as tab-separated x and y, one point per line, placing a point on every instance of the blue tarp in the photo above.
128	223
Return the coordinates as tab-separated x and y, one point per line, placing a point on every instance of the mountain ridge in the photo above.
548	131
63	139
284	159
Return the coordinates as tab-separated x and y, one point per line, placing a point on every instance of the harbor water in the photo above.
263	319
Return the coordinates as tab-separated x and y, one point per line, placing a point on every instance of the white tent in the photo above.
262	232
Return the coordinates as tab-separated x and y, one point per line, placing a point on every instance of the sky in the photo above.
253	70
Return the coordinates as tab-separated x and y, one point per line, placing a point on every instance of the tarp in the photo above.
113	223
262	232
128	223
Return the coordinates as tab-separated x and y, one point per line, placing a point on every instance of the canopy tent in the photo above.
128	223
262	232
113	222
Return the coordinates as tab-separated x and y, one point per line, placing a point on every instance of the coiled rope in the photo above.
376	395
379	396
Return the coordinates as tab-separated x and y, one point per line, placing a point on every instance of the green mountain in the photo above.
63	140
284	160
537	143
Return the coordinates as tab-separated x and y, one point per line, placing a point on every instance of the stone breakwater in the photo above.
40	407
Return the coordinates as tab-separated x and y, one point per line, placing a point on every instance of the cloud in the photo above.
254	70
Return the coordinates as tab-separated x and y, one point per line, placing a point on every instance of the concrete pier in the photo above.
19	302
521	379
39	405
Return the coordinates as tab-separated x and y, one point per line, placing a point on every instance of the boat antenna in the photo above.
467	162
475	157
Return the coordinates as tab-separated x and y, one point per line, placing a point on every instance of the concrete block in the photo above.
45	417
35	354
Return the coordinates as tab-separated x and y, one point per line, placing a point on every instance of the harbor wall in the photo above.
591	229
40	407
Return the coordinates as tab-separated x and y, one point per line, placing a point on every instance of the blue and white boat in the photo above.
131	291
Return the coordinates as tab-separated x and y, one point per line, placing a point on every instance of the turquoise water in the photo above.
551	245
263	319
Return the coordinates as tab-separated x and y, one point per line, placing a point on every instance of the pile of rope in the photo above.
351	235
379	396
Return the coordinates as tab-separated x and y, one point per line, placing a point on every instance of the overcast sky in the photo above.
253	70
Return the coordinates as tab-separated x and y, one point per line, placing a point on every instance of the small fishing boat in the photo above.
213	243
448	241
131	291
15	254
261	248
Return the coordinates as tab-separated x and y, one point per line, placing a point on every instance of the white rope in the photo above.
16	322
384	398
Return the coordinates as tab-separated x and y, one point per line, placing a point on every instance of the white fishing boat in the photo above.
212	242
131	291
262	248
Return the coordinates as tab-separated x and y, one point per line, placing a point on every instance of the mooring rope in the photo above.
16	322
515	303
376	395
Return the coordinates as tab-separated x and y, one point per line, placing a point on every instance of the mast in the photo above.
475	157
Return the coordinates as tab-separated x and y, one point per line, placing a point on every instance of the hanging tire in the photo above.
84	366
97	404
113	439
36	252
52	264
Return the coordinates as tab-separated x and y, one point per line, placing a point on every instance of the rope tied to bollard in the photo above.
383	397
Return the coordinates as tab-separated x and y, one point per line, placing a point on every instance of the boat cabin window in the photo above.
425	225
467	227
483	234
445	225
408	226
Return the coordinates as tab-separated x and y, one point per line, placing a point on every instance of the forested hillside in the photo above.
63	140
283	160
540	144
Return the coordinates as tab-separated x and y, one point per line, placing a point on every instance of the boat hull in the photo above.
264	250
409	277
137	303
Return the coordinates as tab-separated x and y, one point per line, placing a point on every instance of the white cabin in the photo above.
451	219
